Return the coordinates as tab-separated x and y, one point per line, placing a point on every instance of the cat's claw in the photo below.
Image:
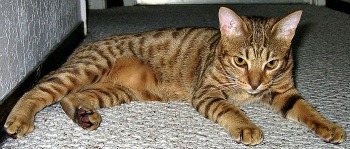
248	135
17	127
330	134
87	119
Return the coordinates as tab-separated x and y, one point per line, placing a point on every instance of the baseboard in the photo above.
51	62
339	5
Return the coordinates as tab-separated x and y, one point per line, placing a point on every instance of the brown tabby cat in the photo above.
248	60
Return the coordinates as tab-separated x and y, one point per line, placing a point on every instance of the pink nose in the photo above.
254	87
254	79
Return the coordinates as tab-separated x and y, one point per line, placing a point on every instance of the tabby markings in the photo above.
290	102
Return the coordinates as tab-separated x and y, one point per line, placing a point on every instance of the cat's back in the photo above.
159	48
176	56
167	38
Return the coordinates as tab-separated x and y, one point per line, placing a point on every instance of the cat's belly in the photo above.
146	84
174	92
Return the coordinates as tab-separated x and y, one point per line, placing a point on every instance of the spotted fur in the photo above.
247	60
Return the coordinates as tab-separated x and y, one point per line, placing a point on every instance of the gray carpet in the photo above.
322	73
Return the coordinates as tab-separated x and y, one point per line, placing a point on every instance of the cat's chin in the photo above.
253	92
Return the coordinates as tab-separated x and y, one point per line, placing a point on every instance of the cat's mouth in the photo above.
253	92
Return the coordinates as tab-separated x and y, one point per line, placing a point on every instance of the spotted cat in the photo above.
247	60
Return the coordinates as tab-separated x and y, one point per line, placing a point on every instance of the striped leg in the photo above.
50	90
81	106
212	105
292	106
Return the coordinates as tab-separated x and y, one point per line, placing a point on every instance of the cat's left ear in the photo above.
285	28
231	24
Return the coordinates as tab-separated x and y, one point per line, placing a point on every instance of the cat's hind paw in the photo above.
17	127
87	119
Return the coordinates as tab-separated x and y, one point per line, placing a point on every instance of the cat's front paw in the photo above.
87	119
329	133
18	126
248	135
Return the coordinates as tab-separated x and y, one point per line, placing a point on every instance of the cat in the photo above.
246	60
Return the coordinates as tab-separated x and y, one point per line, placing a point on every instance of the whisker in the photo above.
276	79
228	76
225	86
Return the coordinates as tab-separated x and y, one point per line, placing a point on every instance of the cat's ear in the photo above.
230	23
285	28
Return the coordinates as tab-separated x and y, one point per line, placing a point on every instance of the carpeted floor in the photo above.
322	74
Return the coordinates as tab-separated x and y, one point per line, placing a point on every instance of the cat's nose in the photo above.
254	79
255	86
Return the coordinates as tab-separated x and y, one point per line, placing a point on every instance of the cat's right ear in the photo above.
230	23
285	28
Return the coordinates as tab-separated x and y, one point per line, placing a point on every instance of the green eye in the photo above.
272	64
240	61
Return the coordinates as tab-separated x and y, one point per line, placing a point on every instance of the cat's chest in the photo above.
240	97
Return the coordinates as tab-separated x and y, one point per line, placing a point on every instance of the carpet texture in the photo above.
322	75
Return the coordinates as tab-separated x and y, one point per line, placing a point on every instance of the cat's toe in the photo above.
330	133
87	119
248	135
17	127
337	135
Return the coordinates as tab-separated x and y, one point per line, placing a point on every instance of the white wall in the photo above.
29	29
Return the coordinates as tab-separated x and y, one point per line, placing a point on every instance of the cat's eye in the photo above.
240	61
272	64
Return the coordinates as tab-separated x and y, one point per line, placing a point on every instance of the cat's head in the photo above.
256	51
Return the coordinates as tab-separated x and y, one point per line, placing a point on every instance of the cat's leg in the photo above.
292	106
49	90
81	106
213	105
